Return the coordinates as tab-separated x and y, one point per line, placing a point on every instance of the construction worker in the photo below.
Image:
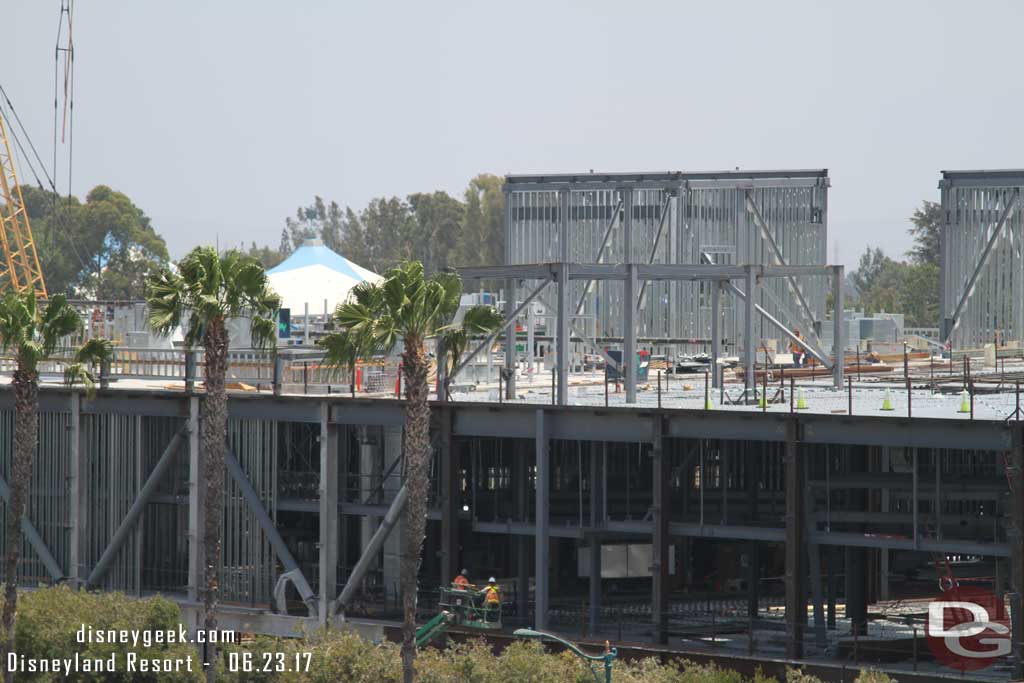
797	350
492	600
461	581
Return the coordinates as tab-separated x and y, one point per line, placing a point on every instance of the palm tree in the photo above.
406	307
32	335
205	292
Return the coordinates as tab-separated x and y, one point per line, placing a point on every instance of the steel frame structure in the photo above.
116	495
635	277
725	218
981	294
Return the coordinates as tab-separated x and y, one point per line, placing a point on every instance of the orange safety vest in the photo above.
492	597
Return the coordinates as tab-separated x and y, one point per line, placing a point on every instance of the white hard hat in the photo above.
491	580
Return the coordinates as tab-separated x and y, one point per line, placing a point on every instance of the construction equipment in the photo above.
462	607
19	268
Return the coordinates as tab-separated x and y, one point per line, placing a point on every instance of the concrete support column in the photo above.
629	364
78	492
659	552
451	503
716	333
543	539
195	503
329	512
562	352
510	340
838	342
796	584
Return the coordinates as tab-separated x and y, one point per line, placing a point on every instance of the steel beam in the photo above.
766	234
330	539
28	529
541	519
291	567
371	551
195	503
135	511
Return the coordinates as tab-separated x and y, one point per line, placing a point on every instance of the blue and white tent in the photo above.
314	274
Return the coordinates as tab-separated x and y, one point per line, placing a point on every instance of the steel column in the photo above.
796	589
629	363
78	491
749	346
450	508
837	327
372	550
510	340
329	513
562	352
661	482
195	503
543	538
716	333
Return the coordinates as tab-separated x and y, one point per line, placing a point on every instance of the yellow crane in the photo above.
19	268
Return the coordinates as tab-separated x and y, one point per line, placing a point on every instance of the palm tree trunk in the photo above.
26	436
213	443
417	457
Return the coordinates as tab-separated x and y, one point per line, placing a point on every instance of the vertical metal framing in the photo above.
78	494
542	522
195	504
330	539
450	508
838	342
749	345
510	340
796	588
716	333
661	482
981	292
674	218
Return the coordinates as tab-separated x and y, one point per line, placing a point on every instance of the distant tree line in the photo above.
911	286
432	227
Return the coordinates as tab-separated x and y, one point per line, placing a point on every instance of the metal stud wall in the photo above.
982	281
676	218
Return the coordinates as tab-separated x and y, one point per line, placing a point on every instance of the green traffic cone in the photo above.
965	402
887	401
801	402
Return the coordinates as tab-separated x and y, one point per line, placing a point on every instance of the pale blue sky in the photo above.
219	118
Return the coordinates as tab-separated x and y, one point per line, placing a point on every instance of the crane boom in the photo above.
19	268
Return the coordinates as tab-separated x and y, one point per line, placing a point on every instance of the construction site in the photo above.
638	454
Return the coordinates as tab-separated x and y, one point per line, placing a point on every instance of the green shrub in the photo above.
49	619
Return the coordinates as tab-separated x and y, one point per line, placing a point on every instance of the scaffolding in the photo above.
982	269
776	218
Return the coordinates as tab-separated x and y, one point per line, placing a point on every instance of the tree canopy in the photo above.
100	249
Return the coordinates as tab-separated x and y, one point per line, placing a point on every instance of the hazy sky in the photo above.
220	117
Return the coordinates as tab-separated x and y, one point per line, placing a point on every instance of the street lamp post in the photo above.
609	655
